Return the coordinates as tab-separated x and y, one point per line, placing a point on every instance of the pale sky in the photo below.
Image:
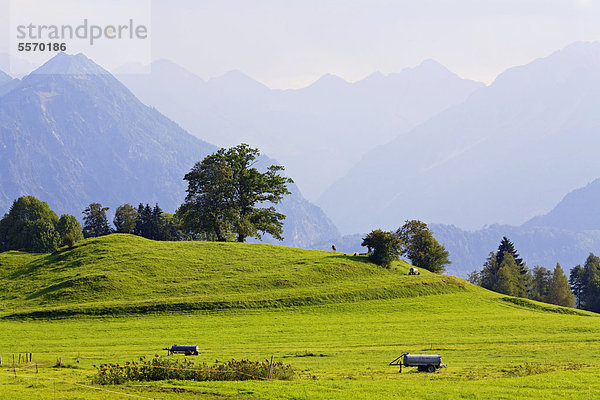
291	43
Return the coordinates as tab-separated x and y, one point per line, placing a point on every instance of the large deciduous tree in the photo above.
227	196
421	248
29	225
125	218
69	229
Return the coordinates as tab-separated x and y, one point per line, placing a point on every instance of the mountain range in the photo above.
72	134
508	153
318	132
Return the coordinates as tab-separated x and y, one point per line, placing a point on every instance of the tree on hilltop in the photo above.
226	195
125	218
386	246
69	229
30	225
95	221
421	248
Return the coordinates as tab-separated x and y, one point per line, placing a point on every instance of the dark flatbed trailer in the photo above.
187	350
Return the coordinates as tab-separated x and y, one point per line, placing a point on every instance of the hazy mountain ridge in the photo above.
4	78
7	83
72	134
535	128
317	132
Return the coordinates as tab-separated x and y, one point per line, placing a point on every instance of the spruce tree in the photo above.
577	282
538	290
508	247
489	272
591	288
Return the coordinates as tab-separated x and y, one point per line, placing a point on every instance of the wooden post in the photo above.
14	370
36	369
30	357
0	360
19	358
271	368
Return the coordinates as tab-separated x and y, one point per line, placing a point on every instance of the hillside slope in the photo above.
130	274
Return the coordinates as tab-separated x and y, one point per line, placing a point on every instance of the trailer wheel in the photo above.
430	368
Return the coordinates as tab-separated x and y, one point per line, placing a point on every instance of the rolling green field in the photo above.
337	319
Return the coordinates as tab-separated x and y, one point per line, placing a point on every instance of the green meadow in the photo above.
337	319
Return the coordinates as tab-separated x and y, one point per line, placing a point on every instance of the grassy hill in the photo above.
125	273
348	319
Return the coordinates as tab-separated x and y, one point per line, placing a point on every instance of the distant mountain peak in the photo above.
236	79
432	65
4	78
67	64
329	80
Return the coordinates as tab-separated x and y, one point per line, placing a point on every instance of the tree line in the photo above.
228	199
504	271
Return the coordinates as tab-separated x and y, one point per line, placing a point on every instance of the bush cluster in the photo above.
164	368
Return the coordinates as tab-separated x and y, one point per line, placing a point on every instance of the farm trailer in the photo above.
424	362
187	350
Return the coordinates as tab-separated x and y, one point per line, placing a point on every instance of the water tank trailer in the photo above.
424	362
187	350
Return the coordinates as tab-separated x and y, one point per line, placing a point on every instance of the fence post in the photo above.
14	370
271	368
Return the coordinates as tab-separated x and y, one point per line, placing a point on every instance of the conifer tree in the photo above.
489	272
95	221
577	282
591	288
508	247
538	289
508	278
559	292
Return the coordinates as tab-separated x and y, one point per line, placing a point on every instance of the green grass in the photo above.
129	274
495	347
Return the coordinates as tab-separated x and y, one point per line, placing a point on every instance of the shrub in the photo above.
163	368
386	246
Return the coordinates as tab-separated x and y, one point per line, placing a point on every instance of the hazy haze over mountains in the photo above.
72	134
317	132
508	153
71	139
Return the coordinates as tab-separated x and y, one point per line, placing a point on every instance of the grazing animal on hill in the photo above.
333	248
414	271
